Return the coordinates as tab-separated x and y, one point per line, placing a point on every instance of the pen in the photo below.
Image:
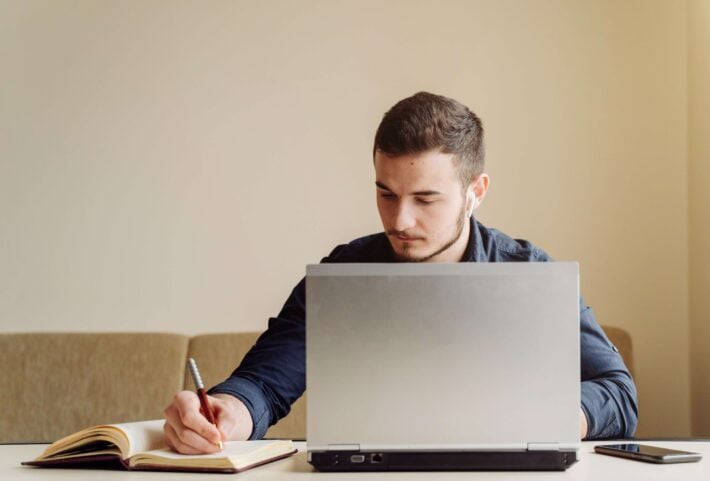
202	394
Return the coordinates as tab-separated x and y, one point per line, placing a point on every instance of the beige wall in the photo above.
699	208
173	166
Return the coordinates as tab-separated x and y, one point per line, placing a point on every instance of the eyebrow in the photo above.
420	192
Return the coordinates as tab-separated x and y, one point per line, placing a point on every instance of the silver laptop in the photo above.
443	366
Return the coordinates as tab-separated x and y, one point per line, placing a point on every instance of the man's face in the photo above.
422	206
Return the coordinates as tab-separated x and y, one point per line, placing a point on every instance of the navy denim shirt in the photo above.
273	373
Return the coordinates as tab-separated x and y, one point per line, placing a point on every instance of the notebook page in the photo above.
144	435
232	449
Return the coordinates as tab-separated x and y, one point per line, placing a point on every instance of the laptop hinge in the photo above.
543	446
343	447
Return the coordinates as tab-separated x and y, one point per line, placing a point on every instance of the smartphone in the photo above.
649	454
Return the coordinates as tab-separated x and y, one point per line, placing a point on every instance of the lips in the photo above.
406	239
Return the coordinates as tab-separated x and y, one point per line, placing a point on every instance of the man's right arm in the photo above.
269	379
258	393
272	375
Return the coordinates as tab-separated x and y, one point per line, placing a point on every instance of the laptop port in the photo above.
357	458
376	458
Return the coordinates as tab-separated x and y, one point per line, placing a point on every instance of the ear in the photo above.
479	187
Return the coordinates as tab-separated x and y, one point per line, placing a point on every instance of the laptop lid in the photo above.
443	357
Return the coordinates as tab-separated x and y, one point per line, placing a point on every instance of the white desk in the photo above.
590	466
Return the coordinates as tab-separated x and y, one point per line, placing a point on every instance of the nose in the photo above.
404	217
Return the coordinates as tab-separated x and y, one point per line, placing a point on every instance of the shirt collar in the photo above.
474	250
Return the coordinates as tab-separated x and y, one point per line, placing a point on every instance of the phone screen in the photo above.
644	452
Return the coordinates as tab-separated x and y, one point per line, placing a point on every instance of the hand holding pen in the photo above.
188	428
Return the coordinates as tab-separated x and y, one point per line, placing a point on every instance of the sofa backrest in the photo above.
622	340
52	384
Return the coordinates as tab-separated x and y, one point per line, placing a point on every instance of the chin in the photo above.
412	255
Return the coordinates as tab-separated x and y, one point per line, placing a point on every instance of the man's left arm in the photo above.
609	402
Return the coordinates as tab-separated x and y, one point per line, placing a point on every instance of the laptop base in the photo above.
442	461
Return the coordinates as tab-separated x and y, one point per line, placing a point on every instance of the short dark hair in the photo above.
426	121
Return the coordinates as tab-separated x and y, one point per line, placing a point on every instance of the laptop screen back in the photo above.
442	356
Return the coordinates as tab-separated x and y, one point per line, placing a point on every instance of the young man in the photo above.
429	159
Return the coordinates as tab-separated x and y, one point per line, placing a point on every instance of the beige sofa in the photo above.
52	384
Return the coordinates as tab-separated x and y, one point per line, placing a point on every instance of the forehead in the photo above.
432	170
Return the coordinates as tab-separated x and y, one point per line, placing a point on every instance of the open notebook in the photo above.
140	446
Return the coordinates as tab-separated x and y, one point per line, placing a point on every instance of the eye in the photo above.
425	201
387	195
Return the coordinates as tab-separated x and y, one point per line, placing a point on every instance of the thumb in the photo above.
223	418
224	428
233	418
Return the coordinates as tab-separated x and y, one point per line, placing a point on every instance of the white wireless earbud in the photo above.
471	200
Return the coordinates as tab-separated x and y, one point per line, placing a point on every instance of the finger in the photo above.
175	443
222	417
230	421
188	442
188	411
168	434
190	438
230	426
186	399
183	435
172	417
